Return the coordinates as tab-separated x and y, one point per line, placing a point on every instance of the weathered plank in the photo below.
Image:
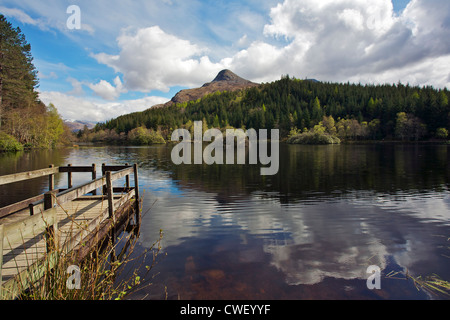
22	205
16	177
31	227
76	192
122	173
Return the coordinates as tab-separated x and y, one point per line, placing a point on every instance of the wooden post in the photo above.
51	231
109	189
127	179
94	176
103	174
136	181
136	194
69	178
51	179
49	200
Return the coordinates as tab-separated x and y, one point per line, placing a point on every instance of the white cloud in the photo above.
151	59
352	18
77	87
78	108
23	17
423	73
243	41
107	91
51	75
259	62
340	40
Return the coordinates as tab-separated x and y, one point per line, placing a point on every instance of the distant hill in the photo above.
75	126
225	80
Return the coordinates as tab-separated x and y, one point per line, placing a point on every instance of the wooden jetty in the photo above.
62	221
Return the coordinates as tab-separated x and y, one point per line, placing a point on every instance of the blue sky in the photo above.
129	55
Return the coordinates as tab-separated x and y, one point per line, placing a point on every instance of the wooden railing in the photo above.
39	199
43	218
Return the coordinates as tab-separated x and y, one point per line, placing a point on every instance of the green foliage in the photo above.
329	125
142	136
351	129
320	129
314	138
9	143
348	111
442	133
52	128
37	127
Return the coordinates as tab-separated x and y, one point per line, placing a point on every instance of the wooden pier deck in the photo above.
66	221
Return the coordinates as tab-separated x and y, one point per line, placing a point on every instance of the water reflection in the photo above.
310	231
328	214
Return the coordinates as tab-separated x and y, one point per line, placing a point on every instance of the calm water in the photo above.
310	232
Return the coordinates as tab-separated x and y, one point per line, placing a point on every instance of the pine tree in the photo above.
22	115
18	76
316	110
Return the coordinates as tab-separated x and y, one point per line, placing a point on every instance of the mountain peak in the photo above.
227	75
225	80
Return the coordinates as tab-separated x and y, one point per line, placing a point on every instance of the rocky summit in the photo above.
225	80
230	77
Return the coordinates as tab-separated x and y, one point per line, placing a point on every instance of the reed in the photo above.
432	284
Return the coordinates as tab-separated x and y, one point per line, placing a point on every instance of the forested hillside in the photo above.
346	111
24	120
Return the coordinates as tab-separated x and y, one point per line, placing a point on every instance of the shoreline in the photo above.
361	142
